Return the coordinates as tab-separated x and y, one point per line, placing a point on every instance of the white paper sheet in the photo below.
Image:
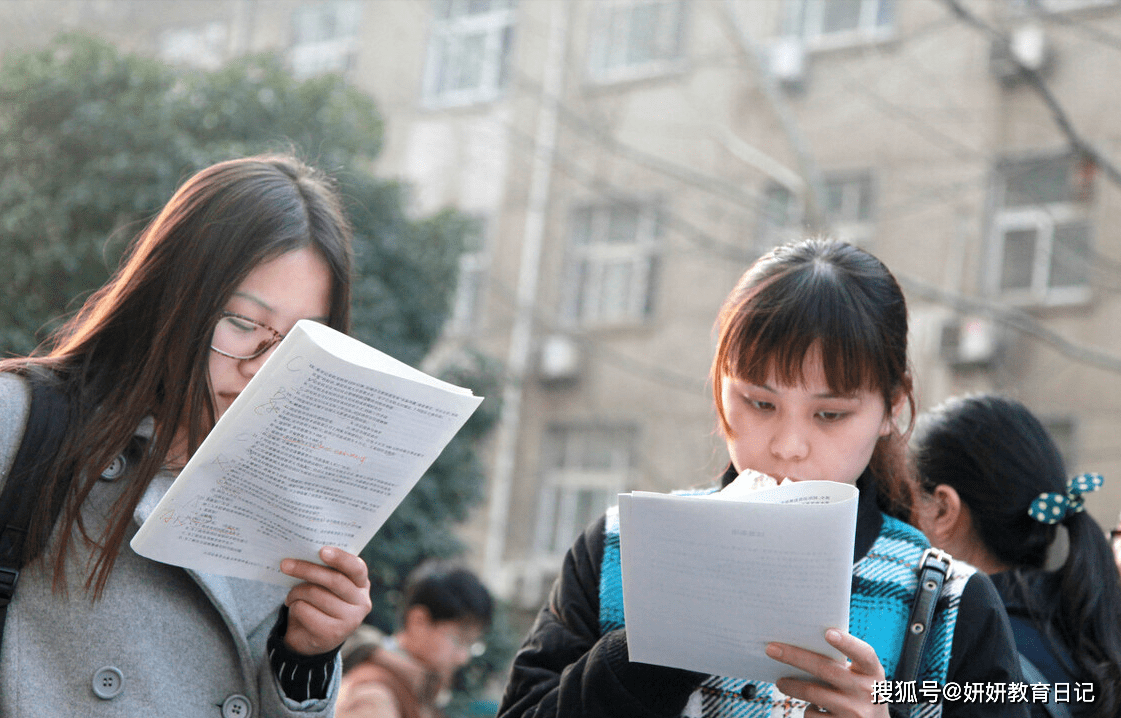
709	580
318	450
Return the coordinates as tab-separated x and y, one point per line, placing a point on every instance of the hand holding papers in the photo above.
319	449
709	580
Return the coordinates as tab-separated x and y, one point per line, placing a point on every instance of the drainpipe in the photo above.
521	333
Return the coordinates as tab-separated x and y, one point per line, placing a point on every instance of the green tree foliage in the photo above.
93	143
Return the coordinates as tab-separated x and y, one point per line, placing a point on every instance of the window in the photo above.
325	38
780	216
473	266
584	468
1059	5
839	21
848	205
611	274
1041	231
847	201
469	52
633	38
203	46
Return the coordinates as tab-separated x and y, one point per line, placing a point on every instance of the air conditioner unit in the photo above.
969	342
788	61
559	360
1027	47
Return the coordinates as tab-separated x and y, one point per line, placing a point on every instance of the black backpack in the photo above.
47	421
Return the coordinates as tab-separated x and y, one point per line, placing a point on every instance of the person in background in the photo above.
445	611
241	252
809	379
995	493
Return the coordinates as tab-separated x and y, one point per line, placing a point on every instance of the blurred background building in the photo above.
626	160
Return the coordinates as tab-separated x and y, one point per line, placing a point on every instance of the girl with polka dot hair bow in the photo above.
994	494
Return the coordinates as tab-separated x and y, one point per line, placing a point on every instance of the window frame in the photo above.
558	523
591	257
856	229
805	19
602	42
1043	217
306	58
467	301
497	30
1060	6
202	46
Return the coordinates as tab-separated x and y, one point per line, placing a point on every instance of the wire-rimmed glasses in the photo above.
238	337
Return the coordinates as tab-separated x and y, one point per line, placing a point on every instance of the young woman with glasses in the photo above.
240	253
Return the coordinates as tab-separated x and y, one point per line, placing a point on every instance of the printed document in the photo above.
709	580
319	449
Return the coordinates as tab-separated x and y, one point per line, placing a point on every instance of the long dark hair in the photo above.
998	457
139	346
826	293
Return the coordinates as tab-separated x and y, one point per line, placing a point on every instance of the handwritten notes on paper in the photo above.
709	580
318	450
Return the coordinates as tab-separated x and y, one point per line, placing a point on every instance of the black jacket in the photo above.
566	669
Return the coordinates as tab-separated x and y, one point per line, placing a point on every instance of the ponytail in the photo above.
1089	619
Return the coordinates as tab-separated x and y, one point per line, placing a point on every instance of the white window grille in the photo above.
613	263
469	52
325	38
584	468
1041	231
474	265
780	216
636	38
847	201
848	205
1059	5
202	46
839	22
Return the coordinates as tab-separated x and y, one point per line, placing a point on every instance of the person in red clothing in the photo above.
444	614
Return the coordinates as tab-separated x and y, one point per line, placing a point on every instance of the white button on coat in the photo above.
237	706
108	682
116	469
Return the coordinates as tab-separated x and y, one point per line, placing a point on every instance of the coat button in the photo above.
116	469
748	691
237	706
108	683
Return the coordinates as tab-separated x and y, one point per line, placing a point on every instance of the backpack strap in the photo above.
47	421
1033	675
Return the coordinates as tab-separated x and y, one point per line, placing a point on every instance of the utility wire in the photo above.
1004	46
1014	319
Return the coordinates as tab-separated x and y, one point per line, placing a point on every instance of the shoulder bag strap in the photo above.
934	567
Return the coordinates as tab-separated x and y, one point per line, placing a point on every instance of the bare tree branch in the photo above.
1036	82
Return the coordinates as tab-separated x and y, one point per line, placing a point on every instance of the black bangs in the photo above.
802	310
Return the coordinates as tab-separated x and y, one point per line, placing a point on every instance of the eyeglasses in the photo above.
463	637
239	337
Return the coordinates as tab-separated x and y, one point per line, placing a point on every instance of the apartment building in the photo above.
627	159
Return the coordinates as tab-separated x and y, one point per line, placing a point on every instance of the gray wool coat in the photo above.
162	641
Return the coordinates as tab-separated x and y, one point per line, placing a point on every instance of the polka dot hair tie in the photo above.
1051	508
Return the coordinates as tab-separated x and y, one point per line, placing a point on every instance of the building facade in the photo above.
627	159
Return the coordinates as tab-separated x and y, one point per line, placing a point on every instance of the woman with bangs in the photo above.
810	381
